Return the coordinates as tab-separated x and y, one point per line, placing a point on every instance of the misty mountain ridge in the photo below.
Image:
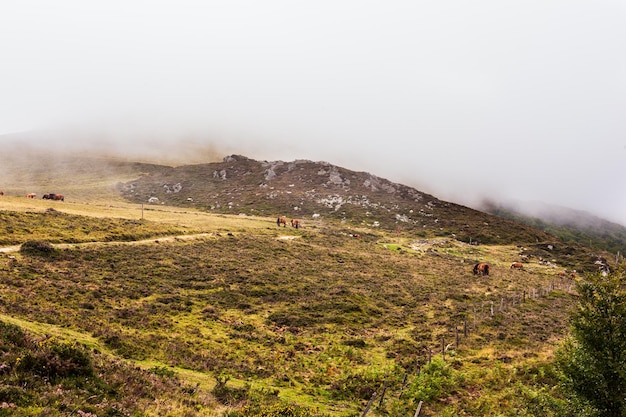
566	223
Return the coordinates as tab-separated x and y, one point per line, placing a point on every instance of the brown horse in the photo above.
58	197
1	192
31	195
481	269
281	220
517	265
295	223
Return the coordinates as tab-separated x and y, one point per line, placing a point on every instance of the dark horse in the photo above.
281	220
58	197
481	269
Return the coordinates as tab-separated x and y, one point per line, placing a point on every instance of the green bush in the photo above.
163	371
229	395
435	381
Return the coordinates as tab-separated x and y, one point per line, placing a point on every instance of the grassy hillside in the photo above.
111	309
310	316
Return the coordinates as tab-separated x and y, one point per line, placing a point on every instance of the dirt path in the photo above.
177	238
9	249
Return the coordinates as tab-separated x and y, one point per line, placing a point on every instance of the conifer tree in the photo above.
593	360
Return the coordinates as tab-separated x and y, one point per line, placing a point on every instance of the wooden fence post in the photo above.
474	329
382	394
443	348
403	386
369	404
419	408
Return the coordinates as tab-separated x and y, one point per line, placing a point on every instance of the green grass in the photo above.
324	319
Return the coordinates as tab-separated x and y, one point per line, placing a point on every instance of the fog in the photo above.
516	100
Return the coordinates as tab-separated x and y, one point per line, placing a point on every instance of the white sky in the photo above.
511	99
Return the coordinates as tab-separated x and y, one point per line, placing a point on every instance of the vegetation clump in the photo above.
37	248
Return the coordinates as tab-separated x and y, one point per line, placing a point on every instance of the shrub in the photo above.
37	247
10	336
58	360
229	395
435	381
163	371
355	386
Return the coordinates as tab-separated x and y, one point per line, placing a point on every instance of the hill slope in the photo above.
250	318
308	316
305	189
360	201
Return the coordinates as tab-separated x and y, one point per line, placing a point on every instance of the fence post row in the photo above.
531	293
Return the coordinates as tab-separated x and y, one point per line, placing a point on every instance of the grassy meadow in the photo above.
118	309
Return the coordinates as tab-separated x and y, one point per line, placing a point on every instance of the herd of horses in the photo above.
483	269
49	196
283	221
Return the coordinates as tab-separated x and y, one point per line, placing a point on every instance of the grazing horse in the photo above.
295	223
281	220
51	196
517	265
1	192
481	269
31	195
